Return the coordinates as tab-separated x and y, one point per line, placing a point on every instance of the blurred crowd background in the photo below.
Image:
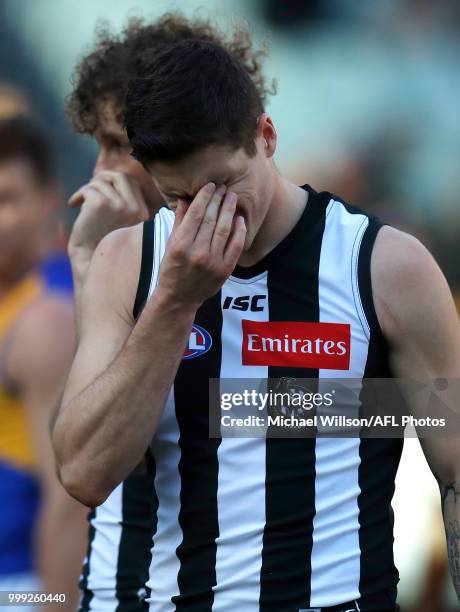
367	106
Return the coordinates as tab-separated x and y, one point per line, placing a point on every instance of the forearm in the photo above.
450	499
80	259
101	434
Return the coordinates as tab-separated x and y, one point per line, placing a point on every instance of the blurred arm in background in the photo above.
40	356
120	194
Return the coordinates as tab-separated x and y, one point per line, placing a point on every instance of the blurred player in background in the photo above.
122	193
41	527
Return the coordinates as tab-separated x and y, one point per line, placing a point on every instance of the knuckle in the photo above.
195	213
207	220
222	231
96	198
178	251
199	259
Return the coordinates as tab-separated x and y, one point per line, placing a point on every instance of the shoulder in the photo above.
113	275
44	336
399	257
401	262
408	285
118	245
117	257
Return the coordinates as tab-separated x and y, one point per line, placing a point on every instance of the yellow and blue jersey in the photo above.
19	486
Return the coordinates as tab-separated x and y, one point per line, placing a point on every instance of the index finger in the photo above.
127	188
190	225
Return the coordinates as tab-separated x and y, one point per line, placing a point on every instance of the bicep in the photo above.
415	308
419	320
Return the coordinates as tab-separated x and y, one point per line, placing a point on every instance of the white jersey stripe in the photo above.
164	566
166	453
336	525
242	460
164	221
104	552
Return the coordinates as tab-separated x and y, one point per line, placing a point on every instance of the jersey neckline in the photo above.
303	227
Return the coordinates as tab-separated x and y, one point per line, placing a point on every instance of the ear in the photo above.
266	133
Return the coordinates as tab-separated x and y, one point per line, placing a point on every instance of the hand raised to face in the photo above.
205	244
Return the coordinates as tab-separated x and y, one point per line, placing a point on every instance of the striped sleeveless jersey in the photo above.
274	524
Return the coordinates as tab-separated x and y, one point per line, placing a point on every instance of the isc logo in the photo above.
245	302
199	343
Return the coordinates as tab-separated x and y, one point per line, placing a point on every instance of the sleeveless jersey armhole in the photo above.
378	341
145	275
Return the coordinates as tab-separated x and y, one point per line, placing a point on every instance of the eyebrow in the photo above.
218	181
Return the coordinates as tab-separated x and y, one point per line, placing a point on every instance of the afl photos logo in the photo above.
199	343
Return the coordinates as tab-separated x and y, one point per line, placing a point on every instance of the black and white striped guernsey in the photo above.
270	524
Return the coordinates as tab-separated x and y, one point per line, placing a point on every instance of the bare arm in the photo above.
41	355
122	374
110	201
418	317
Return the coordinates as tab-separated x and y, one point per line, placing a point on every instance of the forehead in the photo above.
215	164
16	173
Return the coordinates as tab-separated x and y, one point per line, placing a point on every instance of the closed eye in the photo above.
174	197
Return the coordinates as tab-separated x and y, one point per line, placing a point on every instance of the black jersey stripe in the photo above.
375	477
87	594
198	468
145	274
367	300
139	521
290	462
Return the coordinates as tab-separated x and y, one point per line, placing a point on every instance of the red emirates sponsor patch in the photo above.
298	345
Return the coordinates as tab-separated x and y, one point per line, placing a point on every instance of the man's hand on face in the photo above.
205	244
111	200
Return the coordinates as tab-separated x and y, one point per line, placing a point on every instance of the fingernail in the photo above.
209	188
231	197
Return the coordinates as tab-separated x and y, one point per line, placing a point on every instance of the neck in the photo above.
287	204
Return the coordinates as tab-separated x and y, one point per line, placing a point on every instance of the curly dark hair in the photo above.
195	94
116	59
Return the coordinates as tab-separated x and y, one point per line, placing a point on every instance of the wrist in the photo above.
172	304
80	259
80	252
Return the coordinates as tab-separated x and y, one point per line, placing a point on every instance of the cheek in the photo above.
12	219
16	234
